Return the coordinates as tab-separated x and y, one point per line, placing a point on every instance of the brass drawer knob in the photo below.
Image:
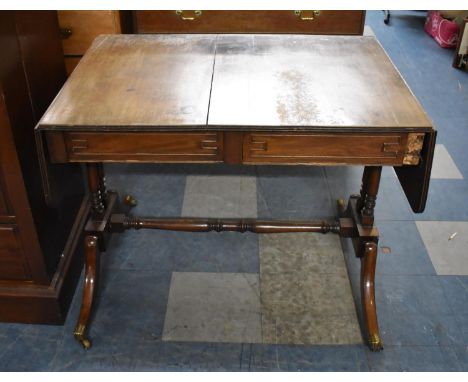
187	16
307	15
65	33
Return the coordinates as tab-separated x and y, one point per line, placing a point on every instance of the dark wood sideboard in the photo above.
38	264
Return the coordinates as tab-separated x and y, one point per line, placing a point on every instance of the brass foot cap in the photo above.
375	343
130	200
80	337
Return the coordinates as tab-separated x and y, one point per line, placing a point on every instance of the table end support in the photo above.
89	290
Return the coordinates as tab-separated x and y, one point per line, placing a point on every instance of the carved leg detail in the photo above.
96	188
368	263
369	189
91	274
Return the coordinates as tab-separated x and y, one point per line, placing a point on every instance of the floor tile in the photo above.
443	166
447	252
131	305
421	330
401	250
213	307
185	356
293	193
309	253
384	361
141	250
413	295
446	201
324	358
109	354
225	252
456	291
305	292
428	358
30	353
220	196
461	353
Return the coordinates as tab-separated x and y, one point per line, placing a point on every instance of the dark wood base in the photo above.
355	222
34	304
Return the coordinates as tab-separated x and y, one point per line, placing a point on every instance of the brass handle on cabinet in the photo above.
305	16
65	33
196	15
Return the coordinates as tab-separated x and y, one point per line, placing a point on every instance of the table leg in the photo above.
89	289
368	254
368	262
93	246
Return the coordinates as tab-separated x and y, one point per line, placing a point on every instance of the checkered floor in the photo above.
230	301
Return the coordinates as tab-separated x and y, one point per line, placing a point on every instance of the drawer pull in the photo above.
183	16
65	33
307	15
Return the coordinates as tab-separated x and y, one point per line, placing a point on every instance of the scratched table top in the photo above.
127	82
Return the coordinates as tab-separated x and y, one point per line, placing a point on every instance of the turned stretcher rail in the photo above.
121	222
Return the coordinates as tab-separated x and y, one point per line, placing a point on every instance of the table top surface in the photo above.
128	82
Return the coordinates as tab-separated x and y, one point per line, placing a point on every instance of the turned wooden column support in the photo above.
97	188
89	289
368	194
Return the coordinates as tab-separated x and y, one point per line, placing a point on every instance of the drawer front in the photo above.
388	149
139	147
12	262
326	22
84	27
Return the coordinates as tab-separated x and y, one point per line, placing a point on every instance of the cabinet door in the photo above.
20	252
3	205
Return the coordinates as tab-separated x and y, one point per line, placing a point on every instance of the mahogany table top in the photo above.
180	82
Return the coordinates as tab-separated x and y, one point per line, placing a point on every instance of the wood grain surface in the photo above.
236	81
128	80
285	21
268	80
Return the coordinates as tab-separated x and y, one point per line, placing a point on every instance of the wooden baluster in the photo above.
96	188
369	190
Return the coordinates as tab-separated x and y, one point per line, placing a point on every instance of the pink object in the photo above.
444	31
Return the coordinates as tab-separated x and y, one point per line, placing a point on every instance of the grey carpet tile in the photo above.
213	307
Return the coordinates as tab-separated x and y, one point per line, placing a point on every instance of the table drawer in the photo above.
312	148
326	22
138	147
84	27
12	263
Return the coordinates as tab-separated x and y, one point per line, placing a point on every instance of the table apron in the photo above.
292	148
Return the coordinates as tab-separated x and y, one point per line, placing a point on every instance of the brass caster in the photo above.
341	204
130	201
80	337
375	343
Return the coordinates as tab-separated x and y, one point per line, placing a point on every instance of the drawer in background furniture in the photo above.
326	22
12	263
323	149
138	147
84	26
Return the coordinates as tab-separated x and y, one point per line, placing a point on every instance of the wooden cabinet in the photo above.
306	21
79	29
38	265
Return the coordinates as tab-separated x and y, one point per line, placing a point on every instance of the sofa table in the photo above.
240	99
